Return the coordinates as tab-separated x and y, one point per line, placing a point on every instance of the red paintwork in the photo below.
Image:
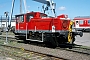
43	23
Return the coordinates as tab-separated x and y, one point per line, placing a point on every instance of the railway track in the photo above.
12	52
76	48
79	50
23	54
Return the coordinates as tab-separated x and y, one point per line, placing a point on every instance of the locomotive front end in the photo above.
66	34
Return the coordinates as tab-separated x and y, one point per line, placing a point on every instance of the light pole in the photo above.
6	14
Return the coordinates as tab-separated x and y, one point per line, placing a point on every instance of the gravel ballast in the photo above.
55	52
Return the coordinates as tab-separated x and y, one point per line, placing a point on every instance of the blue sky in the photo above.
72	8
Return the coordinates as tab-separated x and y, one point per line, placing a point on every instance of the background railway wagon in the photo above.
82	24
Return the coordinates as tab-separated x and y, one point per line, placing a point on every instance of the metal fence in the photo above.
3	18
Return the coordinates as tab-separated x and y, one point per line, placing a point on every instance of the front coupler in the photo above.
77	33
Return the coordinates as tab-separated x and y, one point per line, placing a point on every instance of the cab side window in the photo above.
29	18
20	19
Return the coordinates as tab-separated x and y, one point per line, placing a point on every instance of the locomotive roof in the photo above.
33	13
37	12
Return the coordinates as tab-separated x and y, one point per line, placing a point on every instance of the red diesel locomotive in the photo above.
36	26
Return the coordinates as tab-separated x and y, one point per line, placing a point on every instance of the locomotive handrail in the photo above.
32	39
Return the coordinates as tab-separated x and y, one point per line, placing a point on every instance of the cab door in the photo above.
20	23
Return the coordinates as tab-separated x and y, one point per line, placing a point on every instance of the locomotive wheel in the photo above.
51	41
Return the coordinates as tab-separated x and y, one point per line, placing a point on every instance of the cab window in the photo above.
81	22
29	17
42	15
20	19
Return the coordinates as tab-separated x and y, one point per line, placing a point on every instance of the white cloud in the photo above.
62	8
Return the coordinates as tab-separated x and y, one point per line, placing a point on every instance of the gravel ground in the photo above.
62	53
4	57
13	52
56	52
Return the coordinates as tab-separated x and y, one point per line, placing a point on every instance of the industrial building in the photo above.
3	21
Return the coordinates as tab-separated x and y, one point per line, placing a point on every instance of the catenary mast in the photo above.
20	6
